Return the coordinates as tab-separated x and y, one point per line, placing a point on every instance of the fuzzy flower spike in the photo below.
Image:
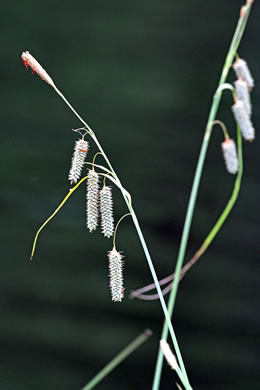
230	155
106	211
242	94
30	61
242	118
92	200
78	159
115	265
243	73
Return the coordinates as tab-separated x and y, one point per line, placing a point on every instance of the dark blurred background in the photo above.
143	74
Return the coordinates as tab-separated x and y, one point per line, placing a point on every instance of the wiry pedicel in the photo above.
230	155
242	118
116	275
92	200
106	211
78	159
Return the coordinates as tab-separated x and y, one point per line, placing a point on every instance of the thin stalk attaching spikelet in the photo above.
92	200
78	159
230	155
242	71
242	118
30	61
243	94
106	211
116	275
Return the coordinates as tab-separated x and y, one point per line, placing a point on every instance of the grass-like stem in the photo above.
142	240
196	182
118	359
208	240
54	213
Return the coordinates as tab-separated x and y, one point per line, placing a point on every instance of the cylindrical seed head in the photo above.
242	71
106	211
78	159
242	118
242	94
230	155
92	200
116	275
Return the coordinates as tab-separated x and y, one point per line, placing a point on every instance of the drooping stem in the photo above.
223	127
142	240
114	238
54	213
196	182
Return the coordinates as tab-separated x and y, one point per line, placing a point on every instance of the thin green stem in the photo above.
142	240
231	201
166	314
54	213
118	359
208	240
114	238
223	127
179	373
194	191
94	158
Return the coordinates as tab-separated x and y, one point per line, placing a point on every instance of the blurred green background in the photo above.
143	74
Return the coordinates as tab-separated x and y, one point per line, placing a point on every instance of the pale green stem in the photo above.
118	359
231	201
143	243
179	373
194	191
166	314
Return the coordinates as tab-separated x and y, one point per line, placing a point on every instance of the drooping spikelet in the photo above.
169	356
242	118
242	71
106	211
230	155
92	200
78	159
116	275
242	94
29	60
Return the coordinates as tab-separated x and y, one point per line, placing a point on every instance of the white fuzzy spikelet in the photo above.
242	71
230	155
106	211
169	356
242	94
116	275
78	159
242	118
92	200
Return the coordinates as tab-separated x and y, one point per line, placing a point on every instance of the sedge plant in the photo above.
101	201
80	152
